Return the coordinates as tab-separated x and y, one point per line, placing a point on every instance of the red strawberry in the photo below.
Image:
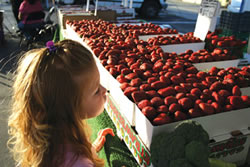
216	86
169	100
124	85
178	116
151	80
145	87
191	70
152	93
196	91
217	107
236	101
201	75
121	79
186	103
193	113
131	76
168	91
180	95
149	112
162	108
174	107
236	91
128	91
228	107
211	79
218	98
213	71
125	71
165	80
138	96
187	86
157	101
158	85
180	89
224	93
246	100
177	79
207	108
144	103
136	82
162	119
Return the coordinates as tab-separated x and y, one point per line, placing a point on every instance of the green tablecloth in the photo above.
114	152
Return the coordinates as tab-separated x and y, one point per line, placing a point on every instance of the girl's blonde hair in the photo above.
45	112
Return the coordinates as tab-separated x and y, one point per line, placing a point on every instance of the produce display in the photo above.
165	86
234	46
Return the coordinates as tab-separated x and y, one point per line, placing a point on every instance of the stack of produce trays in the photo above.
177	43
155	90
203	59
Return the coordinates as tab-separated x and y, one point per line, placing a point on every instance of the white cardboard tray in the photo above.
219	64
216	124
181	48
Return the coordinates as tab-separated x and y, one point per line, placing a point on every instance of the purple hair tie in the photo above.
50	45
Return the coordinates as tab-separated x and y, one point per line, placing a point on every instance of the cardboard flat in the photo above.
146	37
220	64
215	125
181	48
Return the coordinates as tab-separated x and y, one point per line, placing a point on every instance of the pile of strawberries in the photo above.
165	86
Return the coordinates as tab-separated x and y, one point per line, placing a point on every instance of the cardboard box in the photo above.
220	64
215	125
146	37
63	16
245	91
107	15
231	149
181	48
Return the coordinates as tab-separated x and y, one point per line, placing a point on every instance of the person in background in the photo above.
31	16
15	4
56	89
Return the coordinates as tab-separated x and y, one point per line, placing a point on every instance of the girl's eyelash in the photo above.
97	90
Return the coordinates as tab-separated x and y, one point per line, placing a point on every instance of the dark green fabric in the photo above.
114	152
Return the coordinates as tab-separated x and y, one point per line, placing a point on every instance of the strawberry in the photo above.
196	91
211	79
165	80
158	85
199	85
178	116
186	103
144	103
176	79
191	96
121	79
145	87
207	108
224	93
149	112
236	91
168	91
191	80
146	75
131	76
128	91
191	70
194	113
228	107
124	85
146	66
162	119
162	108
169	100
216	86
217	107
157	101
138	96
187	86
136	82
246	100
151	80
152	93
174	107
180	95
235	101
180	89
218	98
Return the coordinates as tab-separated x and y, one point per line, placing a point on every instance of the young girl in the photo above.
55	90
